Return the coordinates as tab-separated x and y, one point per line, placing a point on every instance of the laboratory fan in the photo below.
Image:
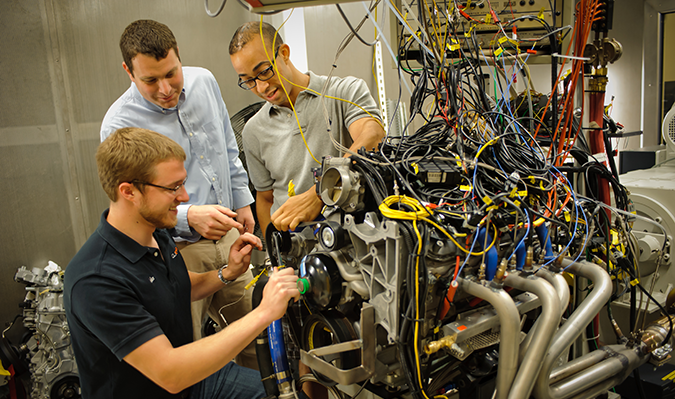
238	121
652	191
668	130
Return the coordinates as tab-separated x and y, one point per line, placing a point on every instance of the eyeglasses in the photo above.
172	189
265	74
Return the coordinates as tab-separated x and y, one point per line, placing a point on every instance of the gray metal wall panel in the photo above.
34	227
26	98
325	30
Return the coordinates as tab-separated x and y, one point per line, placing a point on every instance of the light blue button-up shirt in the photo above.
200	123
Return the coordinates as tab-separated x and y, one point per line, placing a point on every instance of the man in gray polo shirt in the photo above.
282	150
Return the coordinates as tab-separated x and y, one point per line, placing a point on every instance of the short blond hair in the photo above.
131	153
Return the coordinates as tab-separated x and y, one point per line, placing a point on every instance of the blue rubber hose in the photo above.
491	257
545	240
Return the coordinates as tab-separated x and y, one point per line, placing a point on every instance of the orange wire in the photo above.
586	12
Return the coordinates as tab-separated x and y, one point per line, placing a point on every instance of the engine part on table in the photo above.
47	352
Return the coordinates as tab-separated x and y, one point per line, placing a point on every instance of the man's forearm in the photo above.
176	369
263	209
367	133
204	284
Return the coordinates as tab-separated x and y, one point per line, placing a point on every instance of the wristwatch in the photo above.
220	275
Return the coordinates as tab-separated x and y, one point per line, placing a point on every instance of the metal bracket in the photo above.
367	344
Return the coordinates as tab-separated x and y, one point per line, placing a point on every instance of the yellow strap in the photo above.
3	371
291	188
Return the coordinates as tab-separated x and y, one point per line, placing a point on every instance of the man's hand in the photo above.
245	217
280	288
212	221
297	209
240	255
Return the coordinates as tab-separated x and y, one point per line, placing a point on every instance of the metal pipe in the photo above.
599	389
619	364
558	281
525	344
560	284
509	319
602	289
547	324
350	274
576	365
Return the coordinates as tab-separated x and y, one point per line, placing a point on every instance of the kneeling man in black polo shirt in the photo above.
128	292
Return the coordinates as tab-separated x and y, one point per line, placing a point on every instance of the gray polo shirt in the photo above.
275	151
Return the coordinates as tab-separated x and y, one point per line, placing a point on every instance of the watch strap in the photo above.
220	275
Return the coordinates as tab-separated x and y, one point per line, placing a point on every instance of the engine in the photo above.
47	353
456	276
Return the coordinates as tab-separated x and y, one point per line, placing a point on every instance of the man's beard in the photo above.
159	219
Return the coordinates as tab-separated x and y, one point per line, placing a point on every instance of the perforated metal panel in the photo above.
669	127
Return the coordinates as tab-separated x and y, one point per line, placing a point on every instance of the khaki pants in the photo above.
227	305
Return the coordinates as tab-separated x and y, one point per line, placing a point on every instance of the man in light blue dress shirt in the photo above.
185	104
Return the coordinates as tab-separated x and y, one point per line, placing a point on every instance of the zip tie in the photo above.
571	57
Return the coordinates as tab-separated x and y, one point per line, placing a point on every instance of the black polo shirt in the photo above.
118	295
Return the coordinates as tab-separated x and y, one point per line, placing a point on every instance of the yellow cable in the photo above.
433	29
414	216
417	309
403	17
276	70
433	101
422	213
489	143
494	239
335	98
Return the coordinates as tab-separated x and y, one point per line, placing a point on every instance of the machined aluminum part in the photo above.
483	340
340	186
381	254
350	273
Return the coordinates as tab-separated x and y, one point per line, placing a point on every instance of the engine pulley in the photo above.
320	281
332	236
277	242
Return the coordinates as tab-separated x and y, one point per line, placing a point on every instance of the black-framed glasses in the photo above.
174	190
265	74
